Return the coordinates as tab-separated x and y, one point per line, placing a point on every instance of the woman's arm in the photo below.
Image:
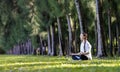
84	53
76	53
80	53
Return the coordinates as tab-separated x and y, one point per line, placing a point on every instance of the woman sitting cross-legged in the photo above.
85	49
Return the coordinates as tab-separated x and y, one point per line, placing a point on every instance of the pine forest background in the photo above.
53	26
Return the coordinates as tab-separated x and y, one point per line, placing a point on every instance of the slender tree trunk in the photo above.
53	39
41	46
30	46
117	27
18	49
56	40
118	39
49	41
75	38
60	37
96	38
79	15
70	34
103	39
64	46
118	36
115	9
110	35
67	47
100	46
102	28
26	46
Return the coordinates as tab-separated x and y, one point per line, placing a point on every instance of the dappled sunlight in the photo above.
12	56
64	64
30	63
55	64
68	66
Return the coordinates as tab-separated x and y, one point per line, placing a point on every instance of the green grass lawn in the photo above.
29	63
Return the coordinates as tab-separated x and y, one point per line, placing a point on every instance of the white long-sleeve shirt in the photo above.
87	48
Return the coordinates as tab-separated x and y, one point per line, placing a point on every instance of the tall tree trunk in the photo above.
110	35
18	49
103	38
75	38
115	9
100	45
49	41
30	46
102	28
27	45
60	37
79	14
41	46
117	25
118	38
53	39
70	34
96	38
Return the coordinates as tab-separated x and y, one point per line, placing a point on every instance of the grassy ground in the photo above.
10	63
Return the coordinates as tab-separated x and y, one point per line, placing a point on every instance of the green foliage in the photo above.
56	64
22	19
2	51
54	8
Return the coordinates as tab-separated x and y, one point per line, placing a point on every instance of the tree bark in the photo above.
96	38
118	39
41	46
79	15
53	39
60	37
110	35
30	46
115	9
117	25
74	38
100	45
102	28
70	34
49	41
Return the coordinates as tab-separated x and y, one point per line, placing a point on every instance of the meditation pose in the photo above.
85	49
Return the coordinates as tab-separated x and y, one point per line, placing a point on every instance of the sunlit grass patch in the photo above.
29	63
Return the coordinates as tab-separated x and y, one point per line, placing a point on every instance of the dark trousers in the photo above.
79	57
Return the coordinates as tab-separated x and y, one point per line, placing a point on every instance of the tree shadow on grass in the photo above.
65	68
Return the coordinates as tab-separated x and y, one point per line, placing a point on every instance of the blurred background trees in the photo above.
53	26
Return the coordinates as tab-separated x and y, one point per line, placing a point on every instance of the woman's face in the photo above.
81	37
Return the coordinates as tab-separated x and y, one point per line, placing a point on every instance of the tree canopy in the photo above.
56	24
